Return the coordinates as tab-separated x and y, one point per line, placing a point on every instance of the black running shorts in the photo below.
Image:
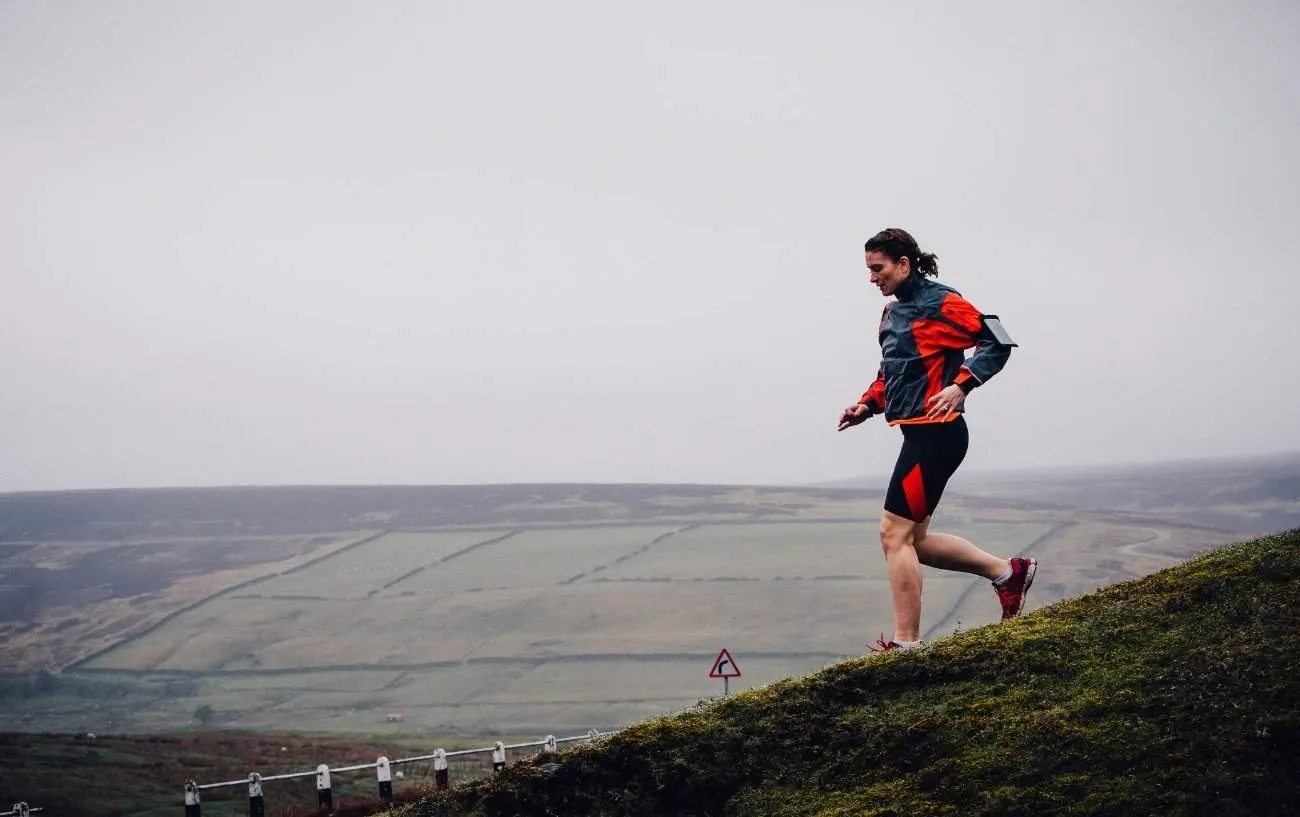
930	455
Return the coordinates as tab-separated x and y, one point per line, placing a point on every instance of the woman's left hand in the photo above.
946	402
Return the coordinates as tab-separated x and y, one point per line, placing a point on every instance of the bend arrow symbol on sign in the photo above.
724	666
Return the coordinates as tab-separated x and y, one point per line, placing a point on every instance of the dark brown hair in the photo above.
897	243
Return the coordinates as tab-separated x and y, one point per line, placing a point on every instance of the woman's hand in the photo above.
946	402
853	415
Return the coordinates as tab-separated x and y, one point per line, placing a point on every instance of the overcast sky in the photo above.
432	242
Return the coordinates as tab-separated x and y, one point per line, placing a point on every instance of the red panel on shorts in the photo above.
914	490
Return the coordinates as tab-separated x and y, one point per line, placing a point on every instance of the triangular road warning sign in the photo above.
724	666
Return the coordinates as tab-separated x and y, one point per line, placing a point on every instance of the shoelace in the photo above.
882	645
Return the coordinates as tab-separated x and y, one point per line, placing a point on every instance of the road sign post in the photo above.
724	667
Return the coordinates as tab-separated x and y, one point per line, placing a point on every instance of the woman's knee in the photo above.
919	533
896	532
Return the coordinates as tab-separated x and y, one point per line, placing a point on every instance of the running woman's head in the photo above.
893	255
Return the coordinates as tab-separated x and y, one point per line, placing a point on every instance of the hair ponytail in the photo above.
927	263
897	243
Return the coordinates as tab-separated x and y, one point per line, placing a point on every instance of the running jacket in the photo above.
923	335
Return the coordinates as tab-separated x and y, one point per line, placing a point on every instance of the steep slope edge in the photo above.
1171	694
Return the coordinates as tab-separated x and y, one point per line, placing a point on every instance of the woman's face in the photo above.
886	273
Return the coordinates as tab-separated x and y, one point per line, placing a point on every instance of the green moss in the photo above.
1172	694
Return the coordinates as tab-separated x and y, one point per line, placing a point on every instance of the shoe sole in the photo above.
1024	591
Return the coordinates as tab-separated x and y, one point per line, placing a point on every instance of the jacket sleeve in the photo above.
874	397
990	355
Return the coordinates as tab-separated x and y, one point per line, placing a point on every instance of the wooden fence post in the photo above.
256	803
441	779
499	757
324	795
192	807
385	775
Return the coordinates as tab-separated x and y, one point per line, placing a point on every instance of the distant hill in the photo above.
1172	694
1254	495
1258	494
104	515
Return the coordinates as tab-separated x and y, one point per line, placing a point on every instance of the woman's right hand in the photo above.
853	415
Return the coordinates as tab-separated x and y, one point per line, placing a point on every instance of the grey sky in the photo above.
322	242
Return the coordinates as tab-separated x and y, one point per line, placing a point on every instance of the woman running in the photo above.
921	387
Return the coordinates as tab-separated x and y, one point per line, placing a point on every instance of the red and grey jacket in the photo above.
923	335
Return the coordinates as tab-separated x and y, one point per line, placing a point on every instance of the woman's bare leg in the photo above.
946	551
904	569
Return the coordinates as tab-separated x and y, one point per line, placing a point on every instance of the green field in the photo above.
534	558
606	591
562	628
358	571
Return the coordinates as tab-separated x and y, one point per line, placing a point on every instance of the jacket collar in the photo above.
907	290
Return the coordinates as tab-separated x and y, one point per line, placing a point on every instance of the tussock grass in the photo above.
1173	694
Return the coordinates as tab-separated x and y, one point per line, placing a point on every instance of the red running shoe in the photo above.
1011	593
882	645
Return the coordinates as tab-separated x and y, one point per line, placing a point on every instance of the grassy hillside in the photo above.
1172	694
